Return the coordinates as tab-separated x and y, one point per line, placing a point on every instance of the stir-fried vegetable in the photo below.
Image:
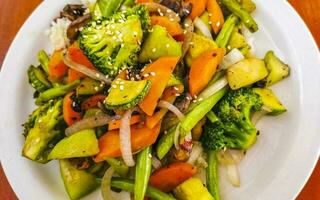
158	93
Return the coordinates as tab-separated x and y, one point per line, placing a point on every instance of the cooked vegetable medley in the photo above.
140	96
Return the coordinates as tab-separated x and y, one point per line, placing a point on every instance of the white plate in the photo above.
278	165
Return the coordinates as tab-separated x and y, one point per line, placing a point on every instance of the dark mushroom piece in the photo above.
75	26
72	11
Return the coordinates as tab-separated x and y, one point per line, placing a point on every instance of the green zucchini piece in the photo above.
278	70
126	94
38	79
173	80
89	86
270	100
78	183
158	44
246	72
236	40
44	60
81	144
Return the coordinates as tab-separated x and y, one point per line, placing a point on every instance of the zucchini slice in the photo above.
89	86
126	94
270	100
38	79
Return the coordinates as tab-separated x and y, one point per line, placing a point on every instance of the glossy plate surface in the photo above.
275	168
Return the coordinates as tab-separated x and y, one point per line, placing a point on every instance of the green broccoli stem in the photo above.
212	175
109	7
128	185
195	115
226	32
56	92
244	15
212	117
165	143
44	60
129	2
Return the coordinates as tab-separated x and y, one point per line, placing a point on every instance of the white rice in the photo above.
58	33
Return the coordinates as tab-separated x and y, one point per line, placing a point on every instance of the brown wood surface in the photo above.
14	12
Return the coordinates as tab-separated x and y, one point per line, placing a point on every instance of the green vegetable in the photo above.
237	40
234	128
246	72
165	143
248	5
43	130
278	70
212	117
199	45
212	175
56	92
81	144
106	8
173	80
270	101
97	169
91	112
38	79
119	166
44	60
78	183
143	171
129	2
89	86
192	189
113	43
226	31
244	15
128	185
126	94
158	44
196	114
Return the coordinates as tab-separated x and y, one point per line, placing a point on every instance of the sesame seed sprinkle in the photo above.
177	94
175	88
152	73
114	86
121	87
167	45
218	24
154	50
146	75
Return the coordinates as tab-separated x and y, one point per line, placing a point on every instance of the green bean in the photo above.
44	60
56	92
129	2
118	166
212	175
165	143
143	171
128	185
195	115
212	117
226	31
244	15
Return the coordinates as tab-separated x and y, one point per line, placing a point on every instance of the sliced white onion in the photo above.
231	58
176	137
85	70
106	185
172	108
230	156
236	154
162	10
233	175
156	163
211	90
202	27
99	119
201	174
195	153
125	139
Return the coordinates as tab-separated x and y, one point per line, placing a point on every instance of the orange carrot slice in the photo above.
117	123
215	15
172	27
198	7
57	68
69	115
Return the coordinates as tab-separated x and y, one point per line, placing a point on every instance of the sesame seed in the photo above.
194	101
150	156
165	132
107	76
121	87
118	82
167	45
169	11
154	50
186	25
177	94
114	86
96	88
132	78
171	19
97	75
138	76
152	73
146	75
121	82
200	99
185	32
191	43
188	98
210	22
228	47
175	88
218	24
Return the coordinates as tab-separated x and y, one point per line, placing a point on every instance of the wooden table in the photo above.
14	12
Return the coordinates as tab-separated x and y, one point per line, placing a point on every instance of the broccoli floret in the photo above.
234	128
114	43
43	130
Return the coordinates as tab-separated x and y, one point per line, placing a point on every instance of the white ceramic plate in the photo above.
278	165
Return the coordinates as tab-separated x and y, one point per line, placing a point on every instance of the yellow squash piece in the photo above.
270	100
246	72
192	189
